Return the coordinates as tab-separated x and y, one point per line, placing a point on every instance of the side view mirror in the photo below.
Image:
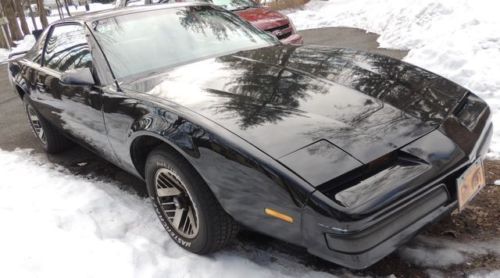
78	77
37	34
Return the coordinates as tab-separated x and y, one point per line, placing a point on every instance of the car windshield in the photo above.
149	41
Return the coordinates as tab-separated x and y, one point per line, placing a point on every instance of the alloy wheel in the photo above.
176	203
36	124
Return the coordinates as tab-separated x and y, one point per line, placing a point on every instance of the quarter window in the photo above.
67	48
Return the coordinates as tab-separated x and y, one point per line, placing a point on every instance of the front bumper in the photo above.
360	242
358	249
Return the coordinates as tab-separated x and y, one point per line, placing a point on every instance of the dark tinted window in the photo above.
149	41
67	48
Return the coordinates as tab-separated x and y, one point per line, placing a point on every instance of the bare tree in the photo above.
32	15
10	13
5	39
43	15
22	17
66	5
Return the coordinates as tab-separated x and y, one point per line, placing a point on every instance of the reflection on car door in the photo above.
75	109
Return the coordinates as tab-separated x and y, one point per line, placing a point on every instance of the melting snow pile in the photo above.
458	39
441	253
22	46
55	224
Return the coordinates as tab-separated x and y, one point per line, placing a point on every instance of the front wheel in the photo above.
185	205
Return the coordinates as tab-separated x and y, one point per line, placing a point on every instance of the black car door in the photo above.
77	110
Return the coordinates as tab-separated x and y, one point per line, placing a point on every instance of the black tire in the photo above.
54	142
215	228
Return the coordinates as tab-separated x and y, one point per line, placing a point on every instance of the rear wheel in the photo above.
186	207
49	137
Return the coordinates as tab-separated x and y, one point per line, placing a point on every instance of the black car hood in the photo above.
284	98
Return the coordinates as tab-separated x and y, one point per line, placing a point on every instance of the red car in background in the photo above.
263	18
259	16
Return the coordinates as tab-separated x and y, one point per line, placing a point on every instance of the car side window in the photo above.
67	48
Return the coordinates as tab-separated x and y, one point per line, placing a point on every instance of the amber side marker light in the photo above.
279	215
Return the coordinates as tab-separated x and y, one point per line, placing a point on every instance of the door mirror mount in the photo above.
37	34
78	77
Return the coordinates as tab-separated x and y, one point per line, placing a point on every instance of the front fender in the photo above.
243	179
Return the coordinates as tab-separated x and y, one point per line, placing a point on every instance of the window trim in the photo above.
40	45
103	78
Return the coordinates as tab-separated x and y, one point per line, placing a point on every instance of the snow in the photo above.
458	39
23	45
485	274
55	224
441	253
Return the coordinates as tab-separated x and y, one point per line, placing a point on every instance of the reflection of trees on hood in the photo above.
406	87
413	90
261	93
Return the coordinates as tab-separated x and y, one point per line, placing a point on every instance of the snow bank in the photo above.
22	46
55	224
485	274
434	252
458	39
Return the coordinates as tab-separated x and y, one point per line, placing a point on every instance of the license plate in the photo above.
470	183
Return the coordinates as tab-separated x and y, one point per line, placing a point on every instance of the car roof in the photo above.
93	16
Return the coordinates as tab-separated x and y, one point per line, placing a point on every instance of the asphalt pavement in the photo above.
344	37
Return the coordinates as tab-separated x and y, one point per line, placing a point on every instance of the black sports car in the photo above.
346	153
